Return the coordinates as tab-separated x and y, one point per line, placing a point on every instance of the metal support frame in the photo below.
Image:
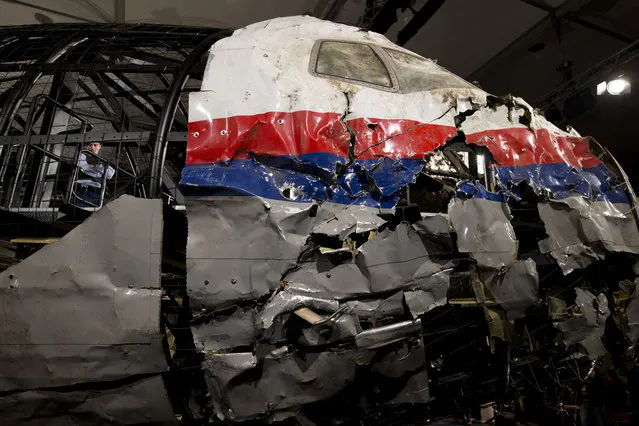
170	106
47	124
419	20
577	20
593	74
121	76
29	79
136	96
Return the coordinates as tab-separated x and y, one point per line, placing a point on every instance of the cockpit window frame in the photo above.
379	52
384	57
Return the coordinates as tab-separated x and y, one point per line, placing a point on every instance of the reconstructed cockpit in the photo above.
367	237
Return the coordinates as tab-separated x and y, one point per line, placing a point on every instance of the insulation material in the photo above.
84	311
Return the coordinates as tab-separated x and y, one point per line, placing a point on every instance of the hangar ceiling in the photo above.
525	47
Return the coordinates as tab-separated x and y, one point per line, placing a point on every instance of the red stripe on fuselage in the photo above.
523	147
308	132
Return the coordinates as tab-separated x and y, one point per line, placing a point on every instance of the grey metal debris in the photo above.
219	370
391	260
587	329
376	309
84	316
226	331
338	328
381	336
633	319
287	301
290	380
580	231
435	231
279	385
347	220
420	301
484	230
515	290
143	402
109	284
243	246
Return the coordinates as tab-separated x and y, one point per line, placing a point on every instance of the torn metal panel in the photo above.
587	329
337	328
484	230
227	237
287	301
632	313
105	276
580	231
391	260
240	247
285	382
226	331
143	402
435	232
422	301
406	365
348	220
374	310
219	371
516	289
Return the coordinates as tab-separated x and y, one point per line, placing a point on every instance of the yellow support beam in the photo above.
34	240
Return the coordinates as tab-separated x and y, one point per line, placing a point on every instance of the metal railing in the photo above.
58	173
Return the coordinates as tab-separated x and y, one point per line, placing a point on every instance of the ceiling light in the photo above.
617	86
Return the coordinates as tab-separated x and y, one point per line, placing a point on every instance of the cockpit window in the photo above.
380	67
355	62
416	73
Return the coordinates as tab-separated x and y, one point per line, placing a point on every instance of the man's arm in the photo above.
82	162
110	171
100	170
87	168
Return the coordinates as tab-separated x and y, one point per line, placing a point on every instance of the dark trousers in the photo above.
591	415
87	196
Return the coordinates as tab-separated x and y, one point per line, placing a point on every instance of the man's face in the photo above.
94	147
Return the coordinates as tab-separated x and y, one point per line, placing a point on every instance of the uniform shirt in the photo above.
96	172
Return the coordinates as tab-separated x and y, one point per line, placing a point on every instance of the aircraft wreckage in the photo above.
368	235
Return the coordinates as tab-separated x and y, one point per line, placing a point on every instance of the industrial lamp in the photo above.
615	87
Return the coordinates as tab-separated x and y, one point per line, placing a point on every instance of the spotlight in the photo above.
615	87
